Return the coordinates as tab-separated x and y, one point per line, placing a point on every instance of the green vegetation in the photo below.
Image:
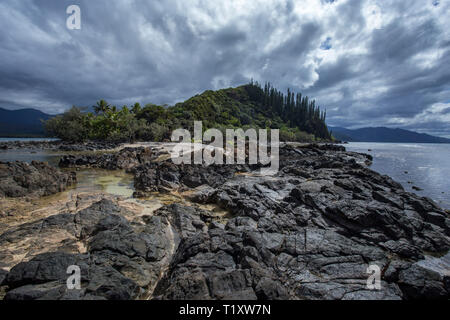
248	106
107	123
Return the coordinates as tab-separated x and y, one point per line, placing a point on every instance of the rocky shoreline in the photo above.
309	232
124	159
58	145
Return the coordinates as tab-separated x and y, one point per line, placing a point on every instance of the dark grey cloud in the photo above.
368	63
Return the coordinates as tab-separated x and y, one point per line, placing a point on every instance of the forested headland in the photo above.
249	106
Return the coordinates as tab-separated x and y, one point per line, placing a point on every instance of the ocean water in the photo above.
26	139
424	165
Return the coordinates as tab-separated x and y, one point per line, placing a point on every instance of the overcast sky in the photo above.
369	63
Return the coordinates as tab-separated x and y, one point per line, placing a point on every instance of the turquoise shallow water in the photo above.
426	166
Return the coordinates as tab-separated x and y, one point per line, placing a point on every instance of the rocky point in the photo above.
309	232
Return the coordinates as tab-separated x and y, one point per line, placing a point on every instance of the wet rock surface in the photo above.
309	232
18	179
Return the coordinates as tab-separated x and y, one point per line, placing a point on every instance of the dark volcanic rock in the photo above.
309	232
119	259
58	145
45	277
18	179
165	176
126	159
3	274
46	267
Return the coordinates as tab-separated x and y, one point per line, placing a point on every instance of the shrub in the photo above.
73	126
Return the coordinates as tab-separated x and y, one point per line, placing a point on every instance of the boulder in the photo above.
19	179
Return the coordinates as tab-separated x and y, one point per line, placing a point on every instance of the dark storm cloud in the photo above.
366	62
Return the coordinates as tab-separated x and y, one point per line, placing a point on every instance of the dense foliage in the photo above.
107	123
248	106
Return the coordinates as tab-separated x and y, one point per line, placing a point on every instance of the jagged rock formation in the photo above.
20	179
309	232
126	159
121	259
166	176
318	224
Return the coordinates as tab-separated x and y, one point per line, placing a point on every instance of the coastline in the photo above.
420	168
308	232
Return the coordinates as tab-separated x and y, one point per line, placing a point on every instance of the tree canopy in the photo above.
247	106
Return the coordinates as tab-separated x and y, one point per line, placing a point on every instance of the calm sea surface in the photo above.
26	139
426	166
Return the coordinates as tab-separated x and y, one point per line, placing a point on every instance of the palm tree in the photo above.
101	107
136	108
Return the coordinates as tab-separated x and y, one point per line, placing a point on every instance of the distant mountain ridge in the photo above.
22	123
383	134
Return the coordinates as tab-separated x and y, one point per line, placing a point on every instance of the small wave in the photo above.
410	146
